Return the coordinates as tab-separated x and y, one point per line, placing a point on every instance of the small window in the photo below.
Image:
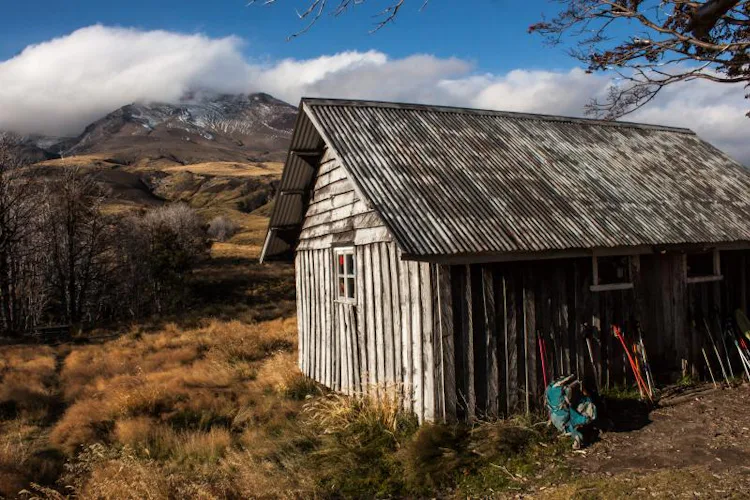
611	273
701	267
345	275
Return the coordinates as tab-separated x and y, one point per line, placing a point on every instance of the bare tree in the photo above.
76	233
317	8
653	44
22	297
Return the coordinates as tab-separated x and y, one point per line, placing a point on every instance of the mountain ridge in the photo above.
203	126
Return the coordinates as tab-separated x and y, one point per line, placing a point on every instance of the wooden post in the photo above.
529	334
361	326
447	333
490	335
511	339
467	334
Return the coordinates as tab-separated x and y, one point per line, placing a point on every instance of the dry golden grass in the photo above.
93	160
229	169
193	379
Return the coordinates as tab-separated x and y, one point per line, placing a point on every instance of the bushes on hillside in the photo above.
221	228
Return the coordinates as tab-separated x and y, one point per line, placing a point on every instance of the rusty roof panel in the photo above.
450	181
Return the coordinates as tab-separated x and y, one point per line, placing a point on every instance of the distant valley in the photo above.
221	154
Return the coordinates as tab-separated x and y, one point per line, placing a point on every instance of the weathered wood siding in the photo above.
501	311
462	341
390	339
335	213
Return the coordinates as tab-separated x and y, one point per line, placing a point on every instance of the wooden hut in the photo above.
435	246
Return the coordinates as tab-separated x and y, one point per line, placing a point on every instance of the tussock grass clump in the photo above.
191	380
27	377
358	440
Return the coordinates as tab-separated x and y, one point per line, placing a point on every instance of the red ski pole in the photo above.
639	380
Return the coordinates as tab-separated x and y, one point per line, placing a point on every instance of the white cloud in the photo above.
59	86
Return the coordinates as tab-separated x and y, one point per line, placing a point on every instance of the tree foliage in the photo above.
652	44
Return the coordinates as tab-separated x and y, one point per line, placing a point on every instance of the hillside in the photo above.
221	154
241	128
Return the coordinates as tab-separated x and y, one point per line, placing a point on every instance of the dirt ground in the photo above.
695	444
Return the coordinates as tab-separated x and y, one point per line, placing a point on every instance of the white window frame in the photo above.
716	276
349	275
608	287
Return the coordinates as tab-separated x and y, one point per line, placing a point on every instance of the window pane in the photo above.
350	288
350	264
342	290
341	264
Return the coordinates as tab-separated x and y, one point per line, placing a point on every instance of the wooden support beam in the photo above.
447	335
490	343
467	341
512	301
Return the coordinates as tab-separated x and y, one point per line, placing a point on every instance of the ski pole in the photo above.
638	378
742	359
710	371
593	363
723	335
646	367
716	350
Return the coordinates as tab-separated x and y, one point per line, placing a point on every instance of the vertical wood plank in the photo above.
371	327
353	339
467	335
388	337
562	282
680	307
512	339
416	339
406	323
316	330
529	312
325	271
596	330
377	280
447	333
346	350
300	303
501	324
490	335
743	282
396	308
361	325
310	348
428	362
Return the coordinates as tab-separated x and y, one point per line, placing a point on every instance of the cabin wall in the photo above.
501	311
387	341
384	341
335	213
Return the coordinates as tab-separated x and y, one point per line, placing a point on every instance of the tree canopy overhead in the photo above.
650	44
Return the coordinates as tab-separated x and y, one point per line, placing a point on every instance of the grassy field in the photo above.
209	403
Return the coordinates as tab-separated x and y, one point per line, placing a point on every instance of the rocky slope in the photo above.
204	127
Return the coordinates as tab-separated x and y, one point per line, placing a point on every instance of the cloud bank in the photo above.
59	86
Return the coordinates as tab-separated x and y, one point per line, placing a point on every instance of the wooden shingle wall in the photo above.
335	214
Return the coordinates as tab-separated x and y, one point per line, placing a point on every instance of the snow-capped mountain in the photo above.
202	127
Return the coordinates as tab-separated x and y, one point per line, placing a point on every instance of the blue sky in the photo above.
66	64
491	33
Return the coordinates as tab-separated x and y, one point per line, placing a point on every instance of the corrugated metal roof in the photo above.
451	181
